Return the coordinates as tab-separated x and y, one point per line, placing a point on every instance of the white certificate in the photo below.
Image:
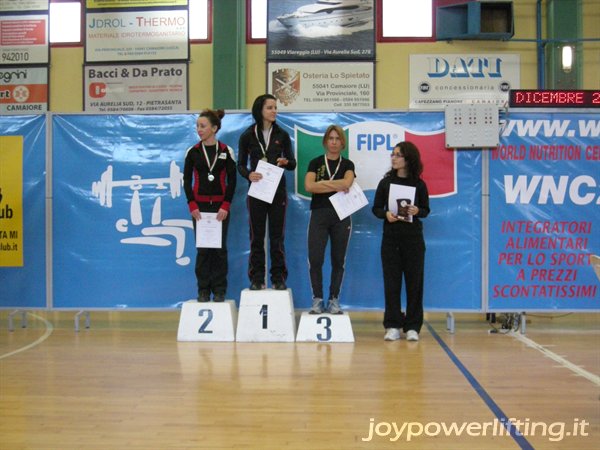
405	195
209	231
265	188
346	203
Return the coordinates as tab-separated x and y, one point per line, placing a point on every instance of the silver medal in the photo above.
211	177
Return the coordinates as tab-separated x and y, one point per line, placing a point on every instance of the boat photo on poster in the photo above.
320	30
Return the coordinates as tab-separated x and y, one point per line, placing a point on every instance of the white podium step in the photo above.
325	328
208	321
266	315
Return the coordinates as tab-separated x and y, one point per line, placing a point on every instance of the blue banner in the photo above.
25	285
123	234
544	214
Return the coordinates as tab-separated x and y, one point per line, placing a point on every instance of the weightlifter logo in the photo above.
286	85
161	232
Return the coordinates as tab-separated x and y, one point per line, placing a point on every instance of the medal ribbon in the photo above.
210	166
263	149
331	177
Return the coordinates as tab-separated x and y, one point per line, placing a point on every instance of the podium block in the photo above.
325	328
266	315
207	321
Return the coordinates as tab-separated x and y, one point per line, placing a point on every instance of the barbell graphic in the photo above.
103	188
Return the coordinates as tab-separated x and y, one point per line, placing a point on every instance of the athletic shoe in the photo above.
392	334
317	306
256	286
204	296
279	286
412	335
334	306
219	297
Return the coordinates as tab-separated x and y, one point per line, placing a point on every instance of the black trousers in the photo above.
326	225
211	265
403	257
259	212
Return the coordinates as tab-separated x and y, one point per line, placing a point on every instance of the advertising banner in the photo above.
97	4
439	80
24	90
139	35
22	211
136	88
11	201
311	30
125	232
545	214
322	86
23	5
24	39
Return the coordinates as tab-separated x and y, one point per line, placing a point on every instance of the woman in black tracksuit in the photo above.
326	175
403	245
265	140
209	179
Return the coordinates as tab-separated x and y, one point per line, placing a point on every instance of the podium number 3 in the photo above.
327	326
264	312
209	317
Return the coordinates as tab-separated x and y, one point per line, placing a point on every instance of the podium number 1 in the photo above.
209	316
264	312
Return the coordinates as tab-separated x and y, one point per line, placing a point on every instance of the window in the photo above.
65	22
256	20
401	20
199	15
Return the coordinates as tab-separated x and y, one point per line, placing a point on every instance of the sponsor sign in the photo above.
136	88
322	86
140	35
11	201
95	4
304	30
23	40
23	5
439	80
24	90
544	215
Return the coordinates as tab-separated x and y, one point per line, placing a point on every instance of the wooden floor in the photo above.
126	383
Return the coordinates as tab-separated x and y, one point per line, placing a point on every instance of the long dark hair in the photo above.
414	166
257	108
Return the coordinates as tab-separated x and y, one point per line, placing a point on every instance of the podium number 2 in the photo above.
327	325
209	316
264	312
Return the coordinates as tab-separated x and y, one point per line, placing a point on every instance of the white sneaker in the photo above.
391	334
412	335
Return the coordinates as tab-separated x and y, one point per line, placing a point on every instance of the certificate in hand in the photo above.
265	188
347	203
402	196
209	231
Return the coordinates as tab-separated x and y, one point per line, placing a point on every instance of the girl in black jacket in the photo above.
265	140
402	245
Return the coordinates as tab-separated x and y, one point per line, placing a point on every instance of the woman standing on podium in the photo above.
326	175
209	179
265	140
403	245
